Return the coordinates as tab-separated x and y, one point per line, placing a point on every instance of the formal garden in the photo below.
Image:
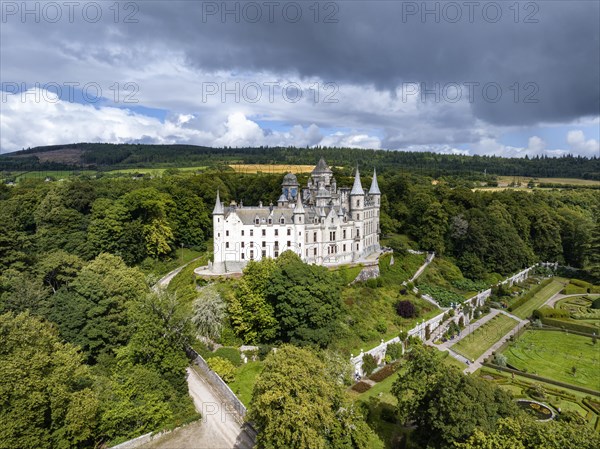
481	339
558	355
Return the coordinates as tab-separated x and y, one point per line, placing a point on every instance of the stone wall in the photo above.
366	273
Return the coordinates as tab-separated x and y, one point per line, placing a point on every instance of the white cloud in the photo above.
57	122
577	142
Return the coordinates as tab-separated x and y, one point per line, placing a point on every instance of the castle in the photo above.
323	223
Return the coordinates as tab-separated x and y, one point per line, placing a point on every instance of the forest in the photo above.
99	356
103	156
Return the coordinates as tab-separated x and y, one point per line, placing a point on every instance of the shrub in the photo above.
264	351
388	414
550	312
406	309
361	386
595	304
394	350
381	327
369	364
500	359
384	372
224	368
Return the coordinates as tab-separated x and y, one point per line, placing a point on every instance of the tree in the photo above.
252	316
47	399
446	405
223	367
526	433
58	268
295	404
406	309
209	311
369	364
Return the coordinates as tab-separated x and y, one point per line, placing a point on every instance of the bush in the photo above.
406	309
369	364
388	414
595	304
381	327
384	372
224	368
361	386
394	350
264	351
550	312
569	325
500	359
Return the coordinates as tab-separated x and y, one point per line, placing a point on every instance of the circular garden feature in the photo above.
540	411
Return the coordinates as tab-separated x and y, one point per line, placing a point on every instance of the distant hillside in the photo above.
104	156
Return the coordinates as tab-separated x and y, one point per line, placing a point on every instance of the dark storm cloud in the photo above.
547	71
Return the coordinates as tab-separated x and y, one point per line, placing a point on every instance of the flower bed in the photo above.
540	411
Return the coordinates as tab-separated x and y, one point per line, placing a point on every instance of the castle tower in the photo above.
357	206
374	190
219	235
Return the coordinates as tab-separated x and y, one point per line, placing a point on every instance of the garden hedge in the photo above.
361	386
527	296
569	325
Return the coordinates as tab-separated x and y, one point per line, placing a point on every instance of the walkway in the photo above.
219	427
430	257
558	296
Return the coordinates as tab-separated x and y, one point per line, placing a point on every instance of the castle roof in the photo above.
374	190
218	205
321	167
290	179
357	187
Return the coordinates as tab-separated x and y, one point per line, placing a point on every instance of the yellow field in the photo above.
504	181
271	168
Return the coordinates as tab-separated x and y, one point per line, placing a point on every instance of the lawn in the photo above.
480	340
245	378
553	354
525	310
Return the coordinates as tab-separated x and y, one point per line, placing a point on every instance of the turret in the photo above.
374	190
219	237
357	194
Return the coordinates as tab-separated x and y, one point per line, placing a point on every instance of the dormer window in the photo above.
270	220
257	220
282	220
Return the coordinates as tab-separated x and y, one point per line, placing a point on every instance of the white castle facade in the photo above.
322	223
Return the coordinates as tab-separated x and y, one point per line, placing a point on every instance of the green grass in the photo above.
479	341
552	354
162	267
245	378
525	310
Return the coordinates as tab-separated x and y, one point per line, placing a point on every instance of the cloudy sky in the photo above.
483	77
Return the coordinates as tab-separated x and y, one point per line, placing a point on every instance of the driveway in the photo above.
219	427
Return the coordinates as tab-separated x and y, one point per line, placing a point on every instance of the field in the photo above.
480	340
525	310
553	354
271	168
504	181
154	171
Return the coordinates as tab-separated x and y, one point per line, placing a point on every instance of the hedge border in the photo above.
543	379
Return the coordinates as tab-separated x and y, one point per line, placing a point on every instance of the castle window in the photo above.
314	236
282	220
289	244
344	248
357	247
270	220
243	244
264	244
243	256
218	234
251	244
264	253
289	232
276	253
252	254
264	232
357	203
251	232
332	219
358	216
256	220
344	234
358	232
276	232
315	251
226	233
242	232
226	244
306	253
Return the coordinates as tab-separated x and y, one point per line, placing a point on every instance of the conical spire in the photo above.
374	190
218	206
357	187
299	209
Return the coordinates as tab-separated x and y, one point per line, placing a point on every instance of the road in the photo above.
219	427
